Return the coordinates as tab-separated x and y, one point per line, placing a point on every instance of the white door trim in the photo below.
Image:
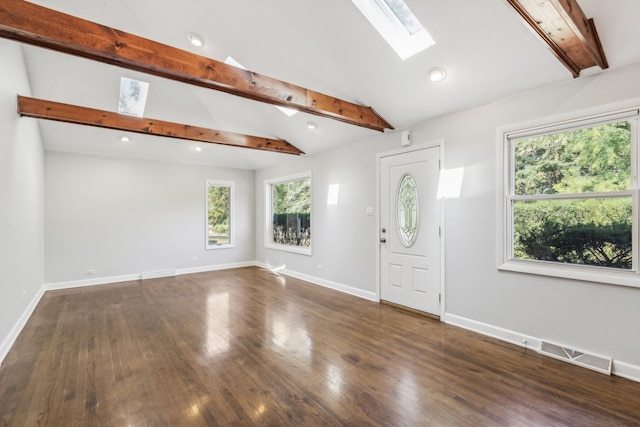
440	145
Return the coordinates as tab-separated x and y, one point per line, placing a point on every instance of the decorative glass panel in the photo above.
407	210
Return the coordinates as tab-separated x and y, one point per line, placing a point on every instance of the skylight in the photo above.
404	15
288	111
133	97
397	25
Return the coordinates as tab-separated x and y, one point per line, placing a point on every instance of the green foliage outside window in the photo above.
292	212
219	211
588	230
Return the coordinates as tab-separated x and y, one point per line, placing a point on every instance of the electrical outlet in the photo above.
89	272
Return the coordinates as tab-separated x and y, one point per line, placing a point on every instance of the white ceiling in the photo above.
326	46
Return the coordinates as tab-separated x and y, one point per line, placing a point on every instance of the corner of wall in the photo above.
22	195
11	338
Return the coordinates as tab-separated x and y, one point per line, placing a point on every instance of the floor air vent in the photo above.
581	358
157	274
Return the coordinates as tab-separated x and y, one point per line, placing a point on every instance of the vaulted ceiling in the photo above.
325	46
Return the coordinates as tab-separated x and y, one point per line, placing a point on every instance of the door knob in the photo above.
383	240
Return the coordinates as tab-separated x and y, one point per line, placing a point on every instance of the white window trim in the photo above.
504	160
268	226
232	212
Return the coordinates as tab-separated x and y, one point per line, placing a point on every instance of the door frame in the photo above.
433	144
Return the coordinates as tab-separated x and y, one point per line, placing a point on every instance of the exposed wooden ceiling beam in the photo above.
562	25
36	25
48	110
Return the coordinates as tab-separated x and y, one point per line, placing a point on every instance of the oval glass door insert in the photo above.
407	210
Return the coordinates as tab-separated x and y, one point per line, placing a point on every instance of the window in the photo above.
220	208
571	199
288	207
133	97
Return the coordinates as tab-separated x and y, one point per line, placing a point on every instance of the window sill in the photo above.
583	273
214	247
288	248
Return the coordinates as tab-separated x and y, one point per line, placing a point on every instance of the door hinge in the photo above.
440	298
439	231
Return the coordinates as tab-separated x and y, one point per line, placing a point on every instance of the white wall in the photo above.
21	201
124	217
596	317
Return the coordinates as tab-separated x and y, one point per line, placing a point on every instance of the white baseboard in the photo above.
91	282
141	276
203	269
371	296
621	369
216	267
157	274
17	328
626	370
502	334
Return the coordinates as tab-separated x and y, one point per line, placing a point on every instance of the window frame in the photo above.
232	229
268	226
506	196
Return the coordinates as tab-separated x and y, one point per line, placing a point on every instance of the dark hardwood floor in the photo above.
245	347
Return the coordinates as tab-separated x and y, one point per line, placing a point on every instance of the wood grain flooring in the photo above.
246	347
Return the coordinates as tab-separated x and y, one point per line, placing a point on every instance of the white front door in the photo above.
410	230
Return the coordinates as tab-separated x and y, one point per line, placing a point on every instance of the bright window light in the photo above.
332	196
404	15
397	25
133	97
288	111
232	61
450	183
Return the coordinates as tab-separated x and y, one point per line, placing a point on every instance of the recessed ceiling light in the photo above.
195	40
312	125
437	74
125	138
198	148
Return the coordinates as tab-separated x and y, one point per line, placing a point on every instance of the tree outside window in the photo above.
572	196
289	214
220	196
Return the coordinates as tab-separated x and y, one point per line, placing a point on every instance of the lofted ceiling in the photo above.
325	46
